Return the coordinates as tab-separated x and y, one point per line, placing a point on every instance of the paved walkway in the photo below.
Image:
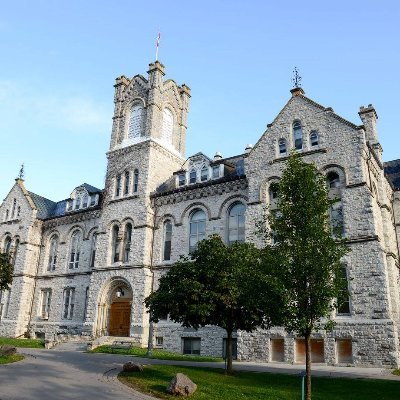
67	372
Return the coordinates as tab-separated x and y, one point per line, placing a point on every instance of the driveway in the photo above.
67	372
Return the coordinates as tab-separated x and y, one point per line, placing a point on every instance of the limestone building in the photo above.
83	266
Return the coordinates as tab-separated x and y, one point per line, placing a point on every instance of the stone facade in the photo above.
84	265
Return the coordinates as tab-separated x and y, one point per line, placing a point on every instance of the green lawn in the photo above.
213	384
157	353
11	359
32	343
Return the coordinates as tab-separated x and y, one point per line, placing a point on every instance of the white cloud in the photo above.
78	113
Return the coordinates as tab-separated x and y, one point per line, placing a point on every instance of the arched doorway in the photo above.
114	309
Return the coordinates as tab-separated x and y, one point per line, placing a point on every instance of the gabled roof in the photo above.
91	189
44	206
392	172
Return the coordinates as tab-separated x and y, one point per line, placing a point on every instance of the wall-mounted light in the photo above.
120	292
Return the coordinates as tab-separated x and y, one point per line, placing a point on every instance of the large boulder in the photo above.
132	367
181	385
7	350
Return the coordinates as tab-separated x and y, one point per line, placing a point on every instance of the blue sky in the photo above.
59	61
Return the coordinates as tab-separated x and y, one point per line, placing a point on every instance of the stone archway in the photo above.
114	309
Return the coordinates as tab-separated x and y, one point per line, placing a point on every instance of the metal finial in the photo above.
296	78
21	173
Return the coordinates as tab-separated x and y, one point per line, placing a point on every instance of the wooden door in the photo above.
120	318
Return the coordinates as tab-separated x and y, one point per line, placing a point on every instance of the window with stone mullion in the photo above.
69	299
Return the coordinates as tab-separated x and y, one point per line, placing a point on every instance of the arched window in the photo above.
13	208
135	122
282	146
15	252
7	245
136	181
204	173
273	194
343	301
297	135
118	185
127	242
193	176
75	252
314	139
126	183
53	246
333	180
93	250
236	223
337	225
167	126
115	244
197	229
167	240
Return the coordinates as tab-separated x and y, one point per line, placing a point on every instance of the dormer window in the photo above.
93	200
282	146
204	174
181	179
192	176
77	203
298	135
215	172
85	201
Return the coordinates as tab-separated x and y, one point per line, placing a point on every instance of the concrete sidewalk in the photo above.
68	372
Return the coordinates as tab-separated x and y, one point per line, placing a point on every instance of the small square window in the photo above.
159	341
182	180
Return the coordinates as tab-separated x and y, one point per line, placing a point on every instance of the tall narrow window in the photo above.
282	146
314	140
167	126
298	135
45	306
93	250
85	200
6	215
127	242
204	174
343	306
197	229
75	250
337	225
15	252
118	185
68	303
215	172
126	183
135	122
192	176
78	203
18	211
86	304
273	194
7	245
135	181
167	240
236	222
182	179
115	244
13	208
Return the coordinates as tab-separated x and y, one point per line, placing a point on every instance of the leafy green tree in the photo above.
308	256
217	285
6	271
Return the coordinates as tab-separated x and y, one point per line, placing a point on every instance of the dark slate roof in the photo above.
91	189
44	206
392	171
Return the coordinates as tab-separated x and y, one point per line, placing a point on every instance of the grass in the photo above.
157	354
11	359
32	343
396	372
213	384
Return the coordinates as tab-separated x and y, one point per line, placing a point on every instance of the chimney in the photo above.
218	156
248	148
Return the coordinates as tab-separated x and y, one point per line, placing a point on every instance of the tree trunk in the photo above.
308	366
229	368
